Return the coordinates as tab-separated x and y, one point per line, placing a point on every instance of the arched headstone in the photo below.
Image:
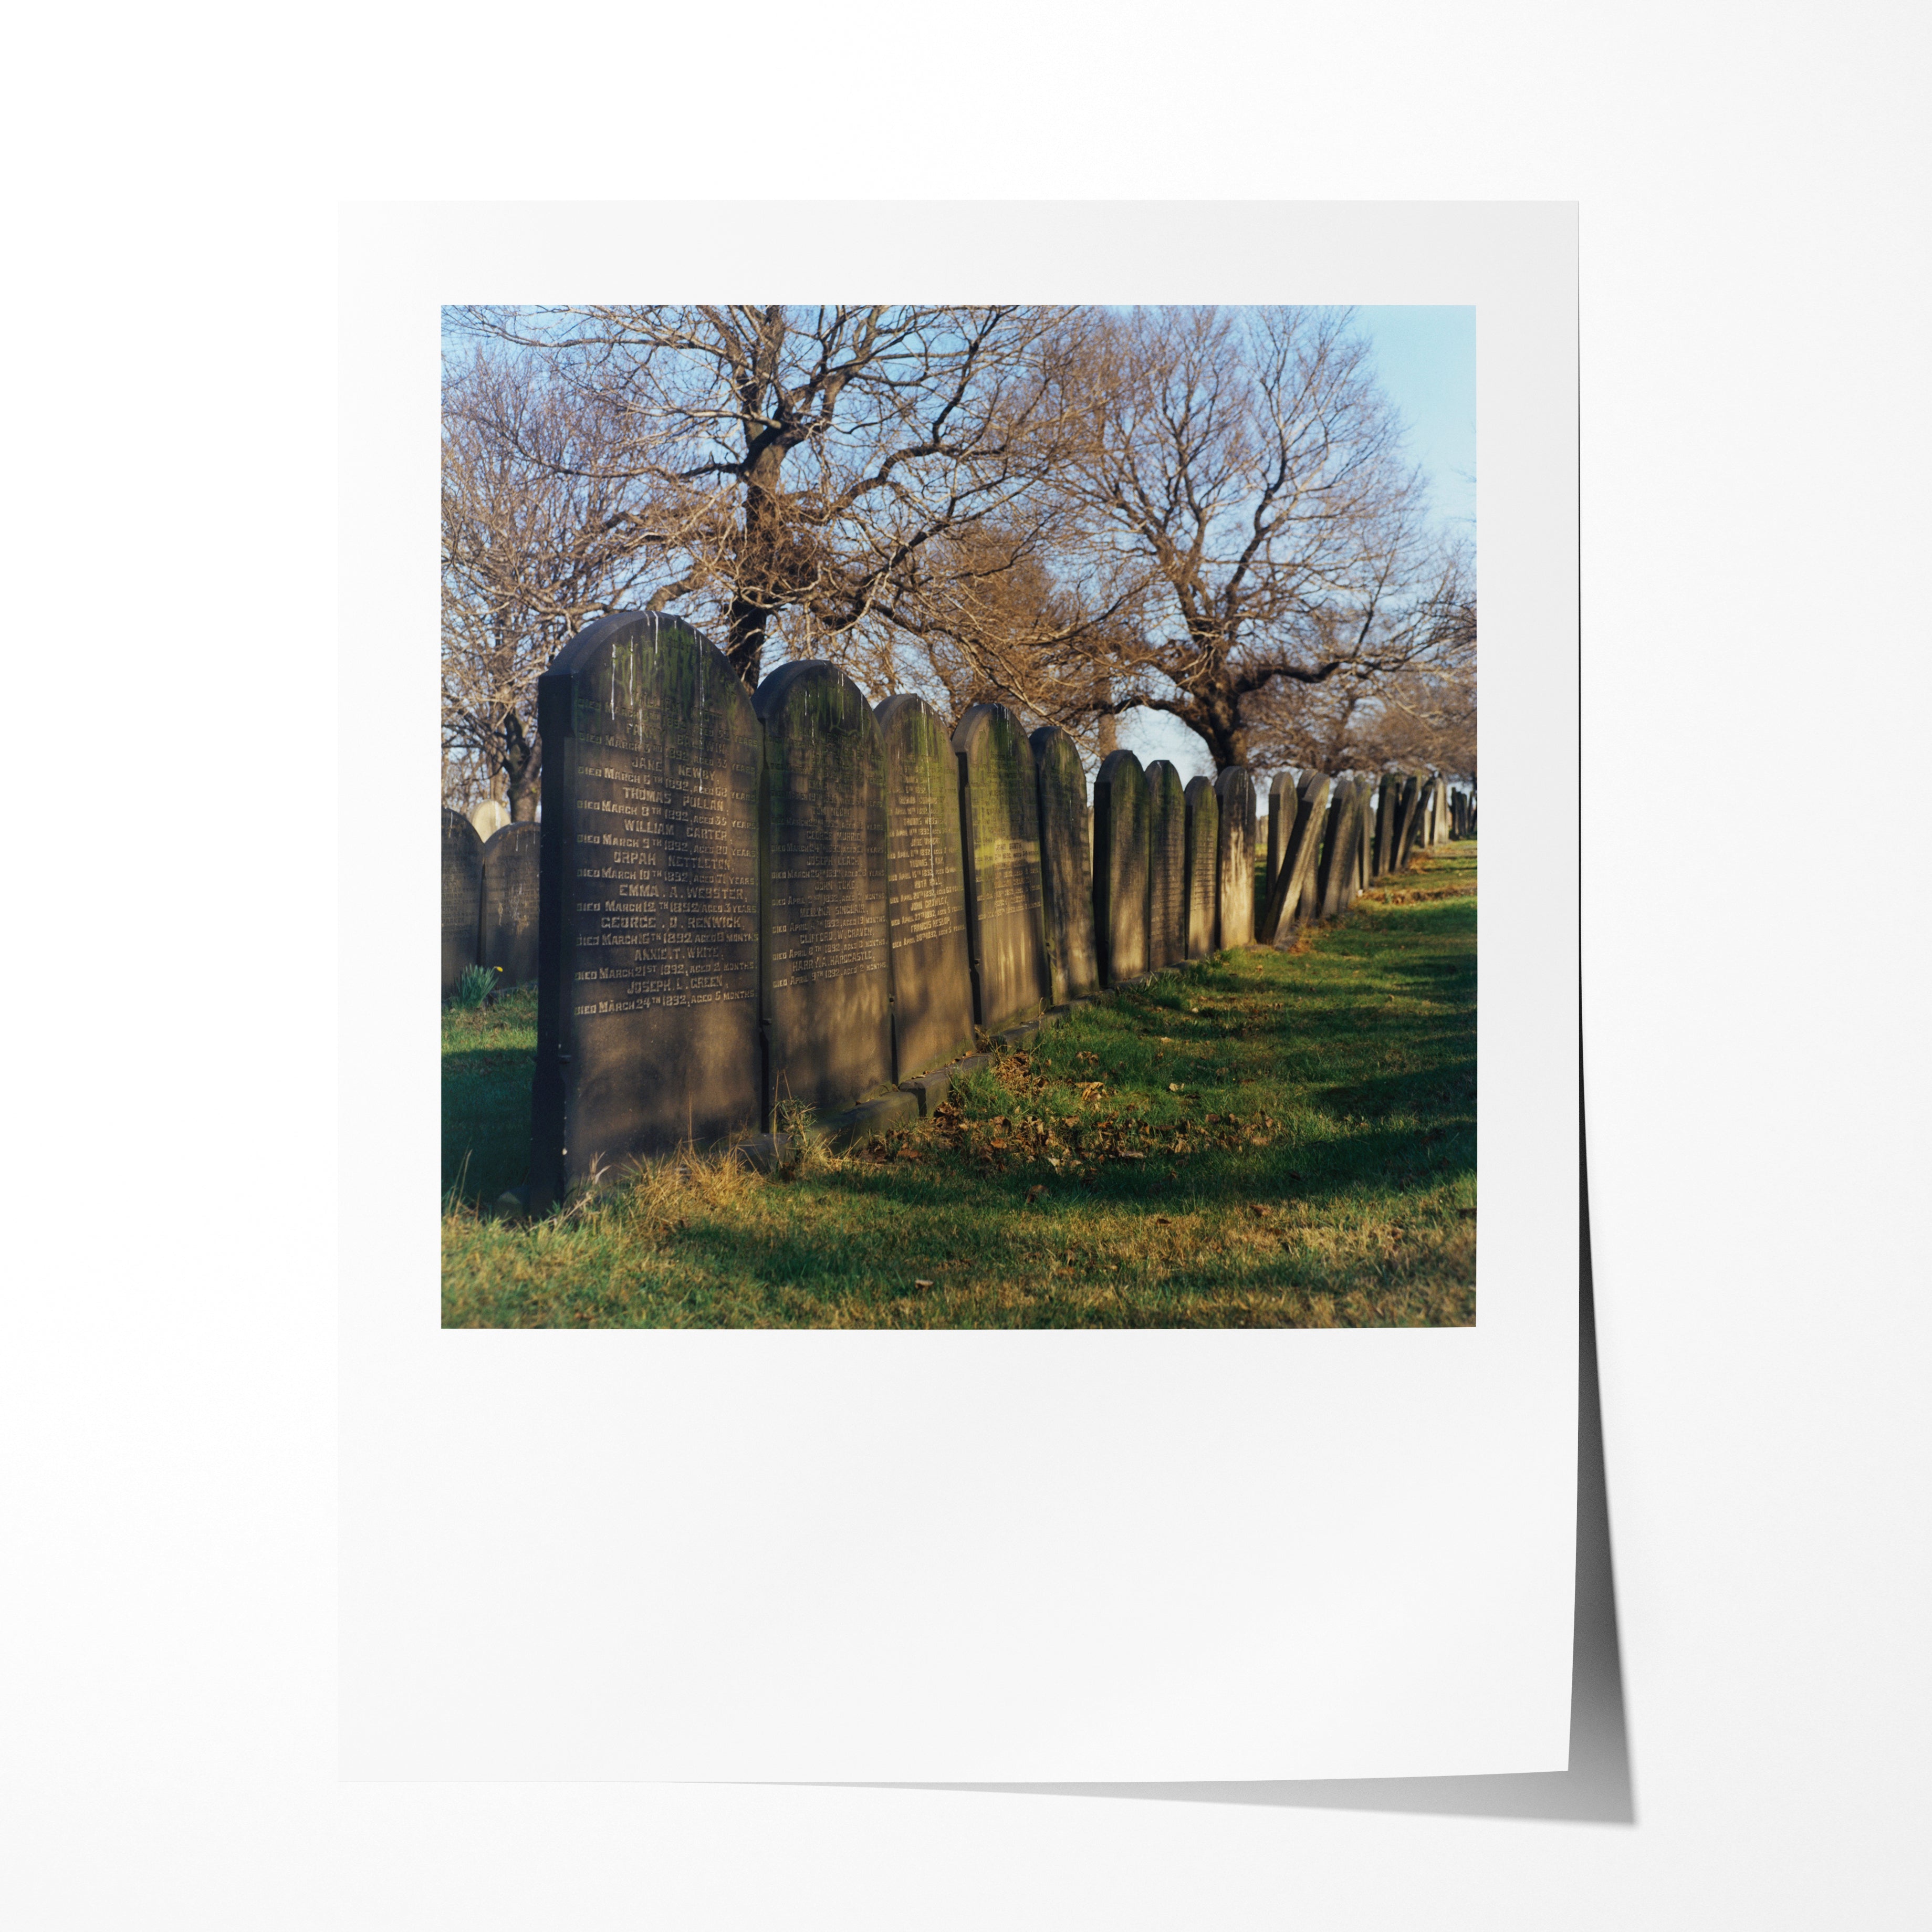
1202	806
489	818
462	897
1282	799
647	976
1120	867
827	958
999	815
512	866
1167	866
1066	870
1408	824
926	885
1235	789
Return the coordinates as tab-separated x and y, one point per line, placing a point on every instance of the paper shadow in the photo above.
1596	1789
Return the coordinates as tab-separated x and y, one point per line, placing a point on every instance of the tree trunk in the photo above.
523	768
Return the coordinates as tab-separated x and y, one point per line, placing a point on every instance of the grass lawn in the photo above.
1264	1139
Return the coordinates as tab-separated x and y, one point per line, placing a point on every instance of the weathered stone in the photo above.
1235	789
1409	821
827	957
647	1001
999	811
929	1089
1338	851
462	897
1120	867
931	958
1167	866
1204	866
854	1124
1388	791
489	818
1066	870
1283	910
512	867
1282	798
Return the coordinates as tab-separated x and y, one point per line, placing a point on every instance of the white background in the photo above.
1752	428
1310	1554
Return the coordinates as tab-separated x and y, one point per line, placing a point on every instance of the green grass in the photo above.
1267	1139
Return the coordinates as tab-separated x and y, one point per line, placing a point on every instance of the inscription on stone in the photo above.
1236	790
647	1007
999	813
1167	866
462	897
1065	866
925	884
1203	811
1120	867
827	968
512	864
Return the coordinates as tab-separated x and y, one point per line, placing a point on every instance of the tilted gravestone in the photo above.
1338	852
1167	866
1235	790
1388	790
1120	868
1204	865
1066	870
1408	824
1283	796
647	976
827	957
462	897
512	864
1365	835
925	878
1280	916
999	812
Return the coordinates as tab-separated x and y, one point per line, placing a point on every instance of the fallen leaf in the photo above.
919	1282
1172	1088
1036	1190
1256	1207
1165	1220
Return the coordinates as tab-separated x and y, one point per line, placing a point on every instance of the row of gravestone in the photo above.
489	901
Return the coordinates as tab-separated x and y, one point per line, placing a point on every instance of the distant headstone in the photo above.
827	955
462	897
1204	865
512	864
1120	867
1167	866
1280	915
647	977
1365	834
1388	790
1407	823
489	818
1235	789
925	875
1066	869
999	811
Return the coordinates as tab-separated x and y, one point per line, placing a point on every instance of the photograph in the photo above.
958	817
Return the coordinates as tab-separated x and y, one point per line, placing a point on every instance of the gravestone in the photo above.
826	952
1120	868
1236	790
999	813
647	973
489	819
462	897
1365	835
512	864
926	885
1300	849
1204	865
1282	798
1066	870
1408	821
1338	854
1388	791
1167	866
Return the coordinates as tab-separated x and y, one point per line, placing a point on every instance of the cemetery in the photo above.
759	935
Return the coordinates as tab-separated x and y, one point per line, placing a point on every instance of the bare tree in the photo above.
805	463
539	537
1245	462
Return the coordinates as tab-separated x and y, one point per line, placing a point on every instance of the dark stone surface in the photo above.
999	812
1408	821
1235	789
1167	867
1388	791
512	865
1365	838
1204	865
1283	795
827	959
1120	867
1280	916
462	897
1066	868
647	977
932	970
1338	851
